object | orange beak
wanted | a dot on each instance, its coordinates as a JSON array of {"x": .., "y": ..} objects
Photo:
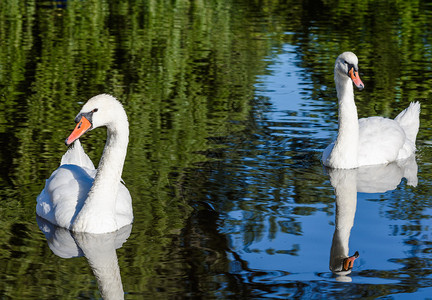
[
  {"x": 356, "y": 79},
  {"x": 349, "y": 262},
  {"x": 82, "y": 127}
]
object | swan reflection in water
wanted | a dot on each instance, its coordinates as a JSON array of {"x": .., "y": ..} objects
[
  {"x": 99, "y": 249},
  {"x": 346, "y": 183}
]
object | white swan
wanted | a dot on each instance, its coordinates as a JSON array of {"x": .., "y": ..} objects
[
  {"x": 77, "y": 196},
  {"x": 367, "y": 141}
]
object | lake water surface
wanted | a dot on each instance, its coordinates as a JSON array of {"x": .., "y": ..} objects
[{"x": 230, "y": 104}]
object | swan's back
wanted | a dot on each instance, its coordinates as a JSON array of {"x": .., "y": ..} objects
[
  {"x": 66, "y": 191},
  {"x": 380, "y": 140},
  {"x": 68, "y": 186},
  {"x": 75, "y": 155},
  {"x": 64, "y": 194},
  {"x": 383, "y": 140}
]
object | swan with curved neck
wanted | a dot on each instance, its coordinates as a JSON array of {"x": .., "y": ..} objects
[
  {"x": 79, "y": 197},
  {"x": 368, "y": 141}
]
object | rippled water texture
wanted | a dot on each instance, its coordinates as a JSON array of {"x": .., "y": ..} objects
[{"x": 230, "y": 104}]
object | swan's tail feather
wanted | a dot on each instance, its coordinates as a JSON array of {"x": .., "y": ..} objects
[
  {"x": 409, "y": 120},
  {"x": 75, "y": 155}
]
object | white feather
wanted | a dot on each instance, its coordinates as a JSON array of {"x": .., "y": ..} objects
[{"x": 75, "y": 155}]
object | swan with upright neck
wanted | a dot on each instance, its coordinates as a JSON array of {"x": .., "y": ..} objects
[
  {"x": 368, "y": 141},
  {"x": 84, "y": 199}
]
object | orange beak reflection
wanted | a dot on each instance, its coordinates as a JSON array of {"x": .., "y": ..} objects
[
  {"x": 82, "y": 127},
  {"x": 356, "y": 78},
  {"x": 349, "y": 262}
]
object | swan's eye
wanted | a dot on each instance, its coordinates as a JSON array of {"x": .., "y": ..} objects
[
  {"x": 351, "y": 66},
  {"x": 94, "y": 110}
]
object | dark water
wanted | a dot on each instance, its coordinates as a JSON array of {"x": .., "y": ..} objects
[{"x": 230, "y": 105}]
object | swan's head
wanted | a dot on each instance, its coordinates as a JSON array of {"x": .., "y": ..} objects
[
  {"x": 347, "y": 65},
  {"x": 101, "y": 110}
]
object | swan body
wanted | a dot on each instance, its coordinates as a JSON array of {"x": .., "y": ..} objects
[
  {"x": 368, "y": 141},
  {"x": 84, "y": 199}
]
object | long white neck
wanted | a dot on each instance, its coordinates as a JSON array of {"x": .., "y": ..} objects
[
  {"x": 108, "y": 176},
  {"x": 98, "y": 212},
  {"x": 345, "y": 185},
  {"x": 345, "y": 150}
]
